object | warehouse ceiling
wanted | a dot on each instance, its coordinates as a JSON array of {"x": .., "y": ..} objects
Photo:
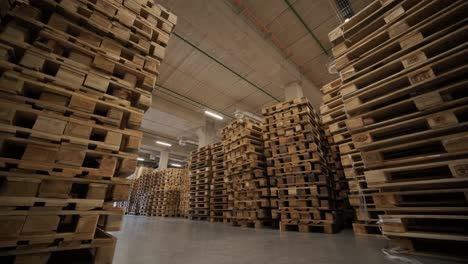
[{"x": 221, "y": 59}]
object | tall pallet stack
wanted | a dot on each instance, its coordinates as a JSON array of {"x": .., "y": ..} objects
[
  {"x": 184, "y": 206},
  {"x": 142, "y": 195},
  {"x": 153, "y": 195},
  {"x": 76, "y": 78},
  {"x": 200, "y": 179},
  {"x": 360, "y": 195},
  {"x": 172, "y": 186},
  {"x": 218, "y": 186},
  {"x": 157, "y": 193},
  {"x": 244, "y": 160},
  {"x": 129, "y": 205},
  {"x": 403, "y": 69},
  {"x": 296, "y": 148},
  {"x": 333, "y": 119},
  {"x": 138, "y": 188},
  {"x": 227, "y": 215}
]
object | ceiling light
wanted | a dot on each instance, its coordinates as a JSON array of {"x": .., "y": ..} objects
[
  {"x": 163, "y": 143},
  {"x": 141, "y": 159},
  {"x": 176, "y": 165},
  {"x": 214, "y": 115},
  {"x": 346, "y": 20}
]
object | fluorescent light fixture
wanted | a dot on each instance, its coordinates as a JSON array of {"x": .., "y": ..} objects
[
  {"x": 176, "y": 165},
  {"x": 346, "y": 20},
  {"x": 214, "y": 115},
  {"x": 163, "y": 143},
  {"x": 140, "y": 159}
]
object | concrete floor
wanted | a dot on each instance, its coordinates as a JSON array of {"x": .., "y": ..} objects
[{"x": 160, "y": 240}]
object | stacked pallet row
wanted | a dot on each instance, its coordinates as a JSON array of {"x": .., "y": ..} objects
[
  {"x": 228, "y": 214},
  {"x": 200, "y": 180},
  {"x": 156, "y": 193},
  {"x": 130, "y": 205},
  {"x": 244, "y": 161},
  {"x": 153, "y": 197},
  {"x": 360, "y": 195},
  {"x": 333, "y": 119},
  {"x": 172, "y": 191},
  {"x": 184, "y": 206},
  {"x": 296, "y": 145},
  {"x": 403, "y": 70},
  {"x": 142, "y": 192},
  {"x": 73, "y": 93},
  {"x": 218, "y": 189}
]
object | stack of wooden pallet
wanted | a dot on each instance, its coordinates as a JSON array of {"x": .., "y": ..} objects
[
  {"x": 333, "y": 119},
  {"x": 76, "y": 78},
  {"x": 218, "y": 190},
  {"x": 200, "y": 180},
  {"x": 403, "y": 70},
  {"x": 153, "y": 194},
  {"x": 244, "y": 161},
  {"x": 227, "y": 215},
  {"x": 172, "y": 186},
  {"x": 141, "y": 195},
  {"x": 156, "y": 193},
  {"x": 360, "y": 196},
  {"x": 184, "y": 206},
  {"x": 296, "y": 146}
]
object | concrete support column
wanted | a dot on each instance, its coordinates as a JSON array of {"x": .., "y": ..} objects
[
  {"x": 293, "y": 90},
  {"x": 163, "y": 159},
  {"x": 207, "y": 134}
]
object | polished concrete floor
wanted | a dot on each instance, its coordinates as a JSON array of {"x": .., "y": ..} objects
[{"x": 160, "y": 240}]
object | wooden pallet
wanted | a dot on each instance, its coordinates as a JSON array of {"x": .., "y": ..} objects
[
  {"x": 57, "y": 127},
  {"x": 401, "y": 132},
  {"x": 284, "y": 107},
  {"x": 428, "y": 150},
  {"x": 432, "y": 29},
  {"x": 200, "y": 180},
  {"x": 416, "y": 103},
  {"x": 100, "y": 249},
  {"x": 159, "y": 193},
  {"x": 49, "y": 186},
  {"x": 257, "y": 224},
  {"x": 320, "y": 226},
  {"x": 415, "y": 232},
  {"x": 298, "y": 162},
  {"x": 428, "y": 73},
  {"x": 76, "y": 79},
  {"x": 245, "y": 179},
  {"x": 429, "y": 54},
  {"x": 440, "y": 197},
  {"x": 78, "y": 66},
  {"x": 427, "y": 174},
  {"x": 351, "y": 34},
  {"x": 57, "y": 98},
  {"x": 417, "y": 244},
  {"x": 414, "y": 21},
  {"x": 367, "y": 229},
  {"x": 432, "y": 125}
]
